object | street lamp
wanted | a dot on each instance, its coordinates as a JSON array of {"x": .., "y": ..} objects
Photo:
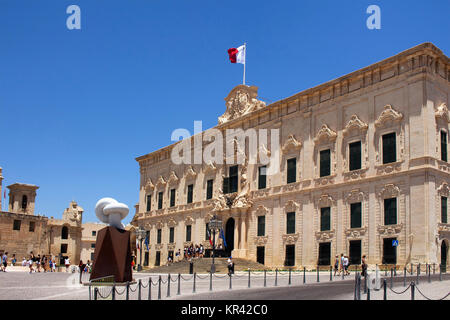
[
  {"x": 140, "y": 234},
  {"x": 214, "y": 224}
]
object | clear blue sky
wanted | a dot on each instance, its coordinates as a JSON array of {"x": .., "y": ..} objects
[{"x": 77, "y": 106}]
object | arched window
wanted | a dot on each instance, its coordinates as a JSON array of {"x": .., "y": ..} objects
[
  {"x": 65, "y": 233},
  {"x": 24, "y": 202}
]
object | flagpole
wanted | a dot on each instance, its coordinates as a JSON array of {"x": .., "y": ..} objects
[{"x": 245, "y": 61}]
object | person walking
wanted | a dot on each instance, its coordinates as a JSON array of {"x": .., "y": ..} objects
[
  {"x": 336, "y": 265},
  {"x": 4, "y": 261},
  {"x": 346, "y": 266},
  {"x": 14, "y": 260},
  {"x": 67, "y": 263},
  {"x": 363, "y": 266},
  {"x": 38, "y": 263},
  {"x": 31, "y": 261},
  {"x": 81, "y": 267}
]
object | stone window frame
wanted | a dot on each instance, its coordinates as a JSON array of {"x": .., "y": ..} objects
[
  {"x": 324, "y": 140},
  {"x": 261, "y": 210},
  {"x": 321, "y": 201},
  {"x": 355, "y": 130},
  {"x": 442, "y": 123},
  {"x": 149, "y": 191},
  {"x": 190, "y": 177},
  {"x": 189, "y": 221},
  {"x": 292, "y": 238},
  {"x": 389, "y": 121},
  {"x": 160, "y": 186},
  {"x": 442, "y": 191},
  {"x": 210, "y": 172},
  {"x": 356, "y": 196},
  {"x": 292, "y": 148}
]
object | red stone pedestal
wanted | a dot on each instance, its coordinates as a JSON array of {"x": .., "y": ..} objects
[{"x": 112, "y": 255}]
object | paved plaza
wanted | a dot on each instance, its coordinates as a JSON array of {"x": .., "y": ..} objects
[{"x": 65, "y": 286}]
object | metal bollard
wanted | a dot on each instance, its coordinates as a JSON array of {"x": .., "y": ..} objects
[
  {"x": 276, "y": 277},
  {"x": 392, "y": 273},
  {"x": 179, "y": 285},
  {"x": 412, "y": 290},
  {"x": 343, "y": 274},
  {"x": 318, "y": 280},
  {"x": 289, "y": 277},
  {"x": 429, "y": 273},
  {"x": 368, "y": 294},
  {"x": 210, "y": 281},
  {"x": 168, "y": 285},
  {"x": 159, "y": 288},
  {"x": 95, "y": 293},
  {"x": 434, "y": 268},
  {"x": 418, "y": 273},
  {"x": 384, "y": 289},
  {"x": 304, "y": 274},
  {"x": 440, "y": 272},
  {"x": 404, "y": 277},
  {"x": 249, "y": 278},
  {"x": 265, "y": 283},
  {"x": 113, "y": 292},
  {"x": 331, "y": 273},
  {"x": 127, "y": 297},
  {"x": 426, "y": 268},
  {"x": 90, "y": 298},
  {"x": 358, "y": 286},
  {"x": 139, "y": 289},
  {"x": 395, "y": 271},
  {"x": 412, "y": 269},
  {"x": 150, "y": 288},
  {"x": 230, "y": 280},
  {"x": 193, "y": 287},
  {"x": 365, "y": 284}
]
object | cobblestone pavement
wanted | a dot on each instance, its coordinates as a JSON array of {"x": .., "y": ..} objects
[{"x": 65, "y": 286}]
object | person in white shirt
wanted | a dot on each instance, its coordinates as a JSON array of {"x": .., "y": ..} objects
[
  {"x": 67, "y": 263},
  {"x": 346, "y": 266}
]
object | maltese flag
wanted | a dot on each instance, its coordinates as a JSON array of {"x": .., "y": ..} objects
[{"x": 237, "y": 55}]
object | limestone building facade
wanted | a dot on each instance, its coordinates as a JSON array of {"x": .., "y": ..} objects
[{"x": 363, "y": 170}]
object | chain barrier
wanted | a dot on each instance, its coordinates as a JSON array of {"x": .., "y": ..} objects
[
  {"x": 134, "y": 289},
  {"x": 206, "y": 277},
  {"x": 402, "y": 291},
  {"x": 187, "y": 279},
  {"x": 154, "y": 284},
  {"x": 104, "y": 297},
  {"x": 174, "y": 279},
  {"x": 121, "y": 293},
  {"x": 220, "y": 276},
  {"x": 448, "y": 294},
  {"x": 142, "y": 285}
]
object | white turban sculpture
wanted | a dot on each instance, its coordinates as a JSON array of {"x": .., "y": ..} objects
[{"x": 109, "y": 210}]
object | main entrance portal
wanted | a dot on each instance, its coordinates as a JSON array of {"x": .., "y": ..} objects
[{"x": 229, "y": 236}]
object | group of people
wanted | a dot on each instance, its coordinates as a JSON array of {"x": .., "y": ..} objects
[
  {"x": 47, "y": 263},
  {"x": 4, "y": 260},
  {"x": 342, "y": 263}
]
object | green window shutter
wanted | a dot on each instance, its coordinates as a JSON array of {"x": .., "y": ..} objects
[
  {"x": 325, "y": 163},
  {"x": 389, "y": 148},
  {"x": 158, "y": 239},
  {"x": 188, "y": 233},
  {"x": 171, "y": 235},
  {"x": 355, "y": 156},
  {"x": 233, "y": 179},
  {"x": 209, "y": 189},
  {"x": 325, "y": 219},
  {"x": 290, "y": 222},
  {"x": 160, "y": 200},
  {"x": 444, "y": 146},
  {"x": 190, "y": 193},
  {"x": 261, "y": 225},
  {"x": 355, "y": 219},
  {"x": 390, "y": 211},
  {"x": 444, "y": 210},
  {"x": 149, "y": 202},
  {"x": 291, "y": 170},
  {"x": 172, "y": 197}
]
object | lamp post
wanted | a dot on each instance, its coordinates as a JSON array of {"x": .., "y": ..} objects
[
  {"x": 140, "y": 234},
  {"x": 214, "y": 224}
]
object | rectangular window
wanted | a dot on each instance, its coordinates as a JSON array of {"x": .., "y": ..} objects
[
  {"x": 92, "y": 256},
  {"x": 325, "y": 160},
  {"x": 32, "y": 226},
  {"x": 92, "y": 245},
  {"x": 390, "y": 211},
  {"x": 160, "y": 200},
  {"x": 158, "y": 238},
  {"x": 149, "y": 202},
  {"x": 209, "y": 189},
  {"x": 389, "y": 148},
  {"x": 94, "y": 233},
  {"x": 389, "y": 251},
  {"x": 355, "y": 215},
  {"x": 355, "y": 252},
  {"x": 262, "y": 177},
  {"x": 64, "y": 248},
  {"x": 290, "y": 222},
  {"x": 16, "y": 225},
  {"x": 233, "y": 179},
  {"x": 325, "y": 219},
  {"x": 190, "y": 193},
  {"x": 188, "y": 233},
  {"x": 290, "y": 256},
  {"x": 444, "y": 146},
  {"x": 355, "y": 156},
  {"x": 444, "y": 210},
  {"x": 261, "y": 226},
  {"x": 172, "y": 197},
  {"x": 171, "y": 235},
  {"x": 291, "y": 170},
  {"x": 146, "y": 258},
  {"x": 324, "y": 254},
  {"x": 260, "y": 255},
  {"x": 158, "y": 258}
]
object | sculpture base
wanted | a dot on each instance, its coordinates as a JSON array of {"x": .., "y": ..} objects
[{"x": 112, "y": 255}]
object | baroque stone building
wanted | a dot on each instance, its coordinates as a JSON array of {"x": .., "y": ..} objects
[
  {"x": 363, "y": 170},
  {"x": 21, "y": 231}
]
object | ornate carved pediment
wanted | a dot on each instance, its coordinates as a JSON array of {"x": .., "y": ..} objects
[
  {"x": 325, "y": 134},
  {"x": 149, "y": 185},
  {"x": 355, "y": 124},
  {"x": 261, "y": 211},
  {"x": 170, "y": 246},
  {"x": 355, "y": 232},
  {"x": 389, "y": 191},
  {"x": 325, "y": 200},
  {"x": 208, "y": 217},
  {"x": 354, "y": 196},
  {"x": 290, "y": 238},
  {"x": 443, "y": 227},
  {"x": 171, "y": 223},
  {"x": 158, "y": 246},
  {"x": 159, "y": 225},
  {"x": 387, "y": 115},
  {"x": 173, "y": 179},
  {"x": 209, "y": 167},
  {"x": 190, "y": 173},
  {"x": 291, "y": 206},
  {"x": 261, "y": 240},
  {"x": 324, "y": 235},
  {"x": 161, "y": 182},
  {"x": 390, "y": 229},
  {"x": 442, "y": 112},
  {"x": 189, "y": 220},
  {"x": 241, "y": 101},
  {"x": 444, "y": 189},
  {"x": 291, "y": 144}
]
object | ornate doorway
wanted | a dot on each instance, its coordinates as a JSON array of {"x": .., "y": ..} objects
[{"x": 229, "y": 235}]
